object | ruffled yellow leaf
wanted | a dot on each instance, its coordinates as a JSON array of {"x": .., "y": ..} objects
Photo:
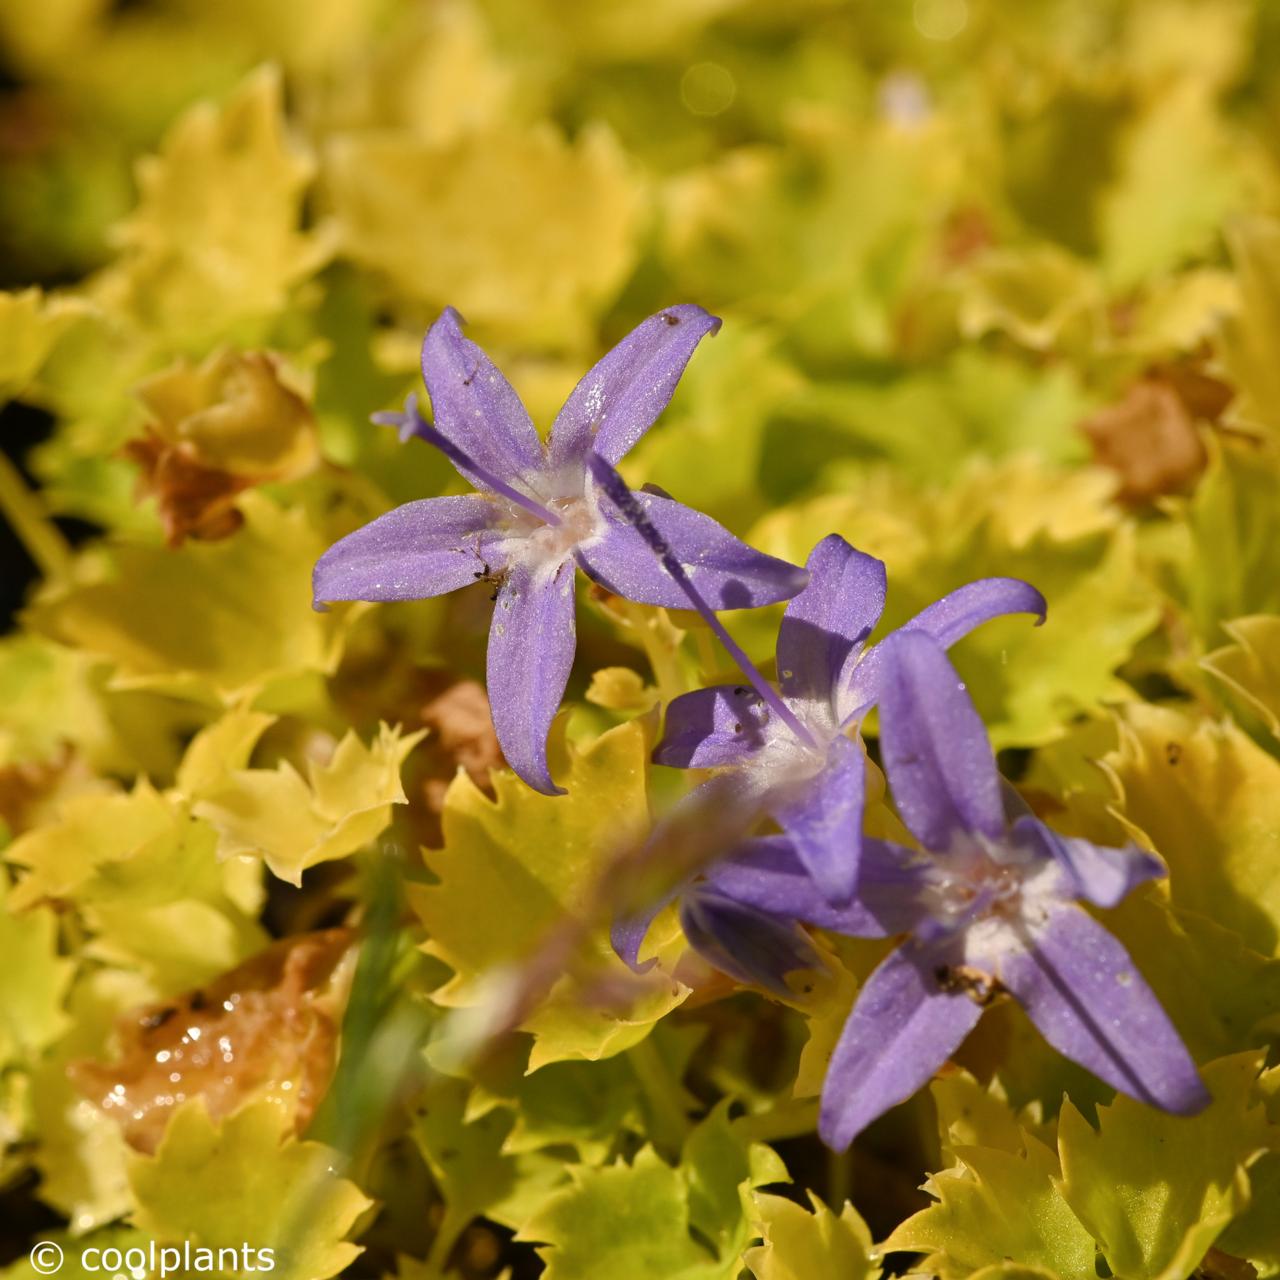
[
  {"x": 1156, "y": 1190},
  {"x": 1222, "y": 995},
  {"x": 970, "y": 1115},
  {"x": 621, "y": 689},
  {"x": 294, "y": 823},
  {"x": 514, "y": 868},
  {"x": 439, "y": 77},
  {"x": 1234, "y": 520},
  {"x": 997, "y": 1207},
  {"x": 33, "y": 981},
  {"x": 519, "y": 229},
  {"x": 87, "y": 854},
  {"x": 829, "y": 230},
  {"x": 30, "y": 325},
  {"x": 1042, "y": 297},
  {"x": 223, "y": 747},
  {"x": 235, "y": 411},
  {"x": 216, "y": 621},
  {"x": 633, "y": 1221},
  {"x": 797, "y": 1245},
  {"x": 215, "y": 244},
  {"x": 249, "y": 1181},
  {"x": 1251, "y": 666},
  {"x": 145, "y": 875},
  {"x": 1249, "y": 338},
  {"x": 1207, "y": 798},
  {"x": 54, "y": 697},
  {"x": 1179, "y": 178}
]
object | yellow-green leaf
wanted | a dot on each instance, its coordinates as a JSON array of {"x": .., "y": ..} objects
[
  {"x": 215, "y": 244},
  {"x": 438, "y": 221},
  {"x": 30, "y": 324},
  {"x": 214, "y": 621},
  {"x": 1207, "y": 798},
  {"x": 797, "y": 1245},
  {"x": 1251, "y": 665},
  {"x": 515, "y": 867},
  {"x": 995, "y": 1207},
  {"x": 1250, "y": 337},
  {"x": 33, "y": 981},
  {"x": 249, "y": 1181},
  {"x": 294, "y": 823},
  {"x": 632, "y": 1222},
  {"x": 1155, "y": 1189}
]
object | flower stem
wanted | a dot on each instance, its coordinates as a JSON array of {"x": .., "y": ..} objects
[
  {"x": 662, "y": 1092},
  {"x": 412, "y": 423},
  {"x": 31, "y": 523},
  {"x": 660, "y": 639},
  {"x": 791, "y": 1119},
  {"x": 622, "y": 498}
]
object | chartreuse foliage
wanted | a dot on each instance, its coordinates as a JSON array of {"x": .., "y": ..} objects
[
  {"x": 648, "y": 1218},
  {"x": 1125, "y": 1190},
  {"x": 1154, "y": 1204},
  {"x": 514, "y": 867},
  {"x": 1000, "y": 286},
  {"x": 282, "y": 1194},
  {"x": 796, "y": 1243}
]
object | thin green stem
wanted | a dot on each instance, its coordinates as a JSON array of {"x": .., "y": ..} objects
[
  {"x": 792, "y": 1119},
  {"x": 706, "y": 653},
  {"x": 662, "y": 1091},
  {"x": 839, "y": 1178},
  {"x": 659, "y": 639},
  {"x": 29, "y": 520}
]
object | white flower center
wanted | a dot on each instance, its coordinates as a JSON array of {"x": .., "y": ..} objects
[
  {"x": 993, "y": 891},
  {"x": 785, "y": 760},
  {"x": 541, "y": 547}
]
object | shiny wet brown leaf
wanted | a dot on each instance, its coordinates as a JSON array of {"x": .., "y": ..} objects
[{"x": 269, "y": 1025}]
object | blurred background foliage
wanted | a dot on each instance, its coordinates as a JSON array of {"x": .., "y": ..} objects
[{"x": 1001, "y": 290}]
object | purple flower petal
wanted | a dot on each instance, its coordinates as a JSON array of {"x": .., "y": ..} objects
[
  {"x": 946, "y": 621},
  {"x": 824, "y": 820},
  {"x": 767, "y": 874},
  {"x": 902, "y": 1029},
  {"x": 825, "y": 626},
  {"x": 475, "y": 406},
  {"x": 724, "y": 725},
  {"x": 623, "y": 394},
  {"x": 531, "y": 644},
  {"x": 421, "y": 549},
  {"x": 1098, "y": 874},
  {"x": 744, "y": 943},
  {"x": 960, "y": 611},
  {"x": 1082, "y": 991},
  {"x": 627, "y": 934},
  {"x": 728, "y": 573},
  {"x": 934, "y": 746}
]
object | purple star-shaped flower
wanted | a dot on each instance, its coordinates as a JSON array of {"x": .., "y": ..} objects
[
  {"x": 991, "y": 906},
  {"x": 791, "y": 756},
  {"x": 537, "y": 513}
]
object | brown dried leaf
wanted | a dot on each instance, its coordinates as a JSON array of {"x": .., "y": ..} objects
[
  {"x": 462, "y": 737},
  {"x": 214, "y": 430},
  {"x": 268, "y": 1025},
  {"x": 1149, "y": 438},
  {"x": 28, "y": 787}
]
